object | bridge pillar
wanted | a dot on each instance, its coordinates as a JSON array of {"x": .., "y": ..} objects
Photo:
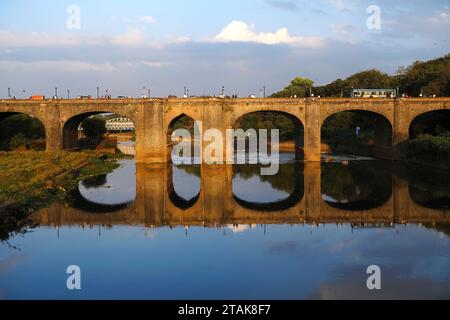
[
  {"x": 213, "y": 119},
  {"x": 312, "y": 131},
  {"x": 53, "y": 128},
  {"x": 150, "y": 134},
  {"x": 400, "y": 128},
  {"x": 151, "y": 190},
  {"x": 313, "y": 191}
]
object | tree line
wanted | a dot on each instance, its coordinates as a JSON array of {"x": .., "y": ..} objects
[{"x": 430, "y": 78}]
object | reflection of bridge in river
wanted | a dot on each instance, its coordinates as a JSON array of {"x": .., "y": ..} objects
[{"x": 157, "y": 204}]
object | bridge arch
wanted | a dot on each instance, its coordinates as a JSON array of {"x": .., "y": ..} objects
[
  {"x": 431, "y": 122},
  {"x": 36, "y": 131},
  {"x": 181, "y": 121},
  {"x": 71, "y": 124},
  {"x": 375, "y": 123},
  {"x": 295, "y": 133}
]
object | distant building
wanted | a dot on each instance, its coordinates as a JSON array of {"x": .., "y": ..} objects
[
  {"x": 116, "y": 125},
  {"x": 119, "y": 125},
  {"x": 374, "y": 93}
]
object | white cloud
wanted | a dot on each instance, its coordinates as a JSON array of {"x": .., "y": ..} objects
[
  {"x": 156, "y": 64},
  {"x": 342, "y": 6},
  {"x": 73, "y": 66},
  {"x": 148, "y": 19},
  {"x": 239, "y": 31},
  {"x": 8, "y": 39},
  {"x": 134, "y": 36},
  {"x": 343, "y": 28}
]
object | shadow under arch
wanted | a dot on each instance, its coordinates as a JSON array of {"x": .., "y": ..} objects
[
  {"x": 342, "y": 133},
  {"x": 428, "y": 187},
  {"x": 432, "y": 122},
  {"x": 32, "y": 134},
  {"x": 360, "y": 186},
  {"x": 293, "y": 129},
  {"x": 78, "y": 201},
  {"x": 177, "y": 200},
  {"x": 292, "y": 200},
  {"x": 70, "y": 127}
]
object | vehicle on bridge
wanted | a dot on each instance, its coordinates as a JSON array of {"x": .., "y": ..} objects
[
  {"x": 374, "y": 93},
  {"x": 37, "y": 97},
  {"x": 84, "y": 97}
]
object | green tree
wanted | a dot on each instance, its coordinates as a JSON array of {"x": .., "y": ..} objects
[
  {"x": 298, "y": 87},
  {"x": 94, "y": 127},
  {"x": 369, "y": 79}
]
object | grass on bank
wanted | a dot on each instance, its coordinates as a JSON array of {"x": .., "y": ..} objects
[{"x": 33, "y": 179}]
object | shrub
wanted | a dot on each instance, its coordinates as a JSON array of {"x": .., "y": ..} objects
[
  {"x": 19, "y": 140},
  {"x": 430, "y": 148}
]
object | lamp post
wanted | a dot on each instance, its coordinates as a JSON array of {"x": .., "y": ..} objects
[
  {"x": 148, "y": 92},
  {"x": 9, "y": 93},
  {"x": 264, "y": 91},
  {"x": 68, "y": 94},
  {"x": 56, "y": 92},
  {"x": 98, "y": 92}
]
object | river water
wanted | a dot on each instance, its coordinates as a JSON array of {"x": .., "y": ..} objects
[{"x": 192, "y": 232}]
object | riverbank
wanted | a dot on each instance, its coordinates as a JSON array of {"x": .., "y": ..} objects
[
  {"x": 31, "y": 180},
  {"x": 429, "y": 150}
]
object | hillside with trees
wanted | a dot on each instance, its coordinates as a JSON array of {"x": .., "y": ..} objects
[{"x": 429, "y": 78}]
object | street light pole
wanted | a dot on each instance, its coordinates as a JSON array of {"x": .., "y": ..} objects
[
  {"x": 9, "y": 93},
  {"x": 56, "y": 92},
  {"x": 264, "y": 90},
  {"x": 148, "y": 92},
  {"x": 98, "y": 92},
  {"x": 68, "y": 94}
]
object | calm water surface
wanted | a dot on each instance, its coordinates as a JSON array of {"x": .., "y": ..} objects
[{"x": 191, "y": 232}]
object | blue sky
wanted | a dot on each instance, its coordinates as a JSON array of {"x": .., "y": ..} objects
[{"x": 126, "y": 45}]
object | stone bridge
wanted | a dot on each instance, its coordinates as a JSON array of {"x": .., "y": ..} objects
[
  {"x": 153, "y": 118},
  {"x": 156, "y": 205}
]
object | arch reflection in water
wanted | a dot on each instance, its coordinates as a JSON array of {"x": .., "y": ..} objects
[
  {"x": 428, "y": 187},
  {"x": 216, "y": 205},
  {"x": 268, "y": 193},
  {"x": 106, "y": 193},
  {"x": 359, "y": 186},
  {"x": 184, "y": 185}
]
